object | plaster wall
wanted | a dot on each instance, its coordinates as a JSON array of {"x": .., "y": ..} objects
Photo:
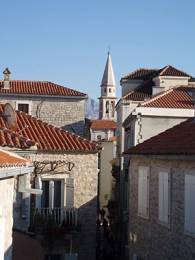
[{"x": 6, "y": 214}]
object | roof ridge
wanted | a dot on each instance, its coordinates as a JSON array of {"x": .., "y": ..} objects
[
  {"x": 170, "y": 66},
  {"x": 159, "y": 95},
  {"x": 140, "y": 68},
  {"x": 127, "y": 94},
  {"x": 163, "y": 69}
]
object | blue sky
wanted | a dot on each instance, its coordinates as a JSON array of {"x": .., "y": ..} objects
[{"x": 67, "y": 41}]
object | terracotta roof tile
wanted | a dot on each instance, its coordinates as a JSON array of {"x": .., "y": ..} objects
[
  {"x": 45, "y": 136},
  {"x": 178, "y": 140},
  {"x": 141, "y": 93},
  {"x": 38, "y": 88},
  {"x": 12, "y": 139},
  {"x": 148, "y": 74},
  {"x": 8, "y": 159},
  {"x": 102, "y": 124},
  {"x": 141, "y": 74},
  {"x": 178, "y": 97},
  {"x": 171, "y": 71}
]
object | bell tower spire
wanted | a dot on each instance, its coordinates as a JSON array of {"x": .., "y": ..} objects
[{"x": 108, "y": 92}]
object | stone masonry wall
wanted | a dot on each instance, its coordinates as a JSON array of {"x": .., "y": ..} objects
[
  {"x": 6, "y": 205},
  {"x": 67, "y": 113},
  {"x": 85, "y": 174},
  {"x": 153, "y": 240}
]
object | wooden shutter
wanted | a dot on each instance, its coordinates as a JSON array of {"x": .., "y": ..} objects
[
  {"x": 38, "y": 185},
  {"x": 189, "y": 203},
  {"x": 143, "y": 191},
  {"x": 2, "y": 224},
  {"x": 69, "y": 192},
  {"x": 164, "y": 197}
]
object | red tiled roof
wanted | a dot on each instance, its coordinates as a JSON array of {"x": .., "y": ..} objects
[
  {"x": 178, "y": 140},
  {"x": 8, "y": 159},
  {"x": 144, "y": 91},
  {"x": 148, "y": 74},
  {"x": 38, "y": 88},
  {"x": 141, "y": 93},
  {"x": 178, "y": 97},
  {"x": 141, "y": 74},
  {"x": 102, "y": 124},
  {"x": 48, "y": 137},
  {"x": 12, "y": 139},
  {"x": 171, "y": 71}
]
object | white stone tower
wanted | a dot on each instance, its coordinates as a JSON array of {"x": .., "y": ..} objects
[{"x": 108, "y": 92}]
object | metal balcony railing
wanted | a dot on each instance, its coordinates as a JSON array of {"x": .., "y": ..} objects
[{"x": 58, "y": 216}]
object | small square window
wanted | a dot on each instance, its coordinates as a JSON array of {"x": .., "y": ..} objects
[{"x": 23, "y": 108}]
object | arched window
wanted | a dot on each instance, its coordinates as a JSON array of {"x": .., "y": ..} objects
[
  {"x": 107, "y": 107},
  {"x": 112, "y": 108}
]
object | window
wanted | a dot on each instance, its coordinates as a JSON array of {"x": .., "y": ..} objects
[
  {"x": 110, "y": 90},
  {"x": 51, "y": 197},
  {"x": 164, "y": 197},
  {"x": 143, "y": 191},
  {"x": 24, "y": 106},
  {"x": 99, "y": 137},
  {"x": 189, "y": 204}
]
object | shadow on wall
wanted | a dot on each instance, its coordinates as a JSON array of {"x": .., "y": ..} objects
[
  {"x": 8, "y": 254},
  {"x": 87, "y": 237},
  {"x": 76, "y": 128},
  {"x": 26, "y": 248}
]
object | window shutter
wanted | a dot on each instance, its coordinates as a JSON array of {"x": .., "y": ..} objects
[
  {"x": 2, "y": 224},
  {"x": 164, "y": 197},
  {"x": 70, "y": 192},
  {"x": 143, "y": 191},
  {"x": 38, "y": 185},
  {"x": 189, "y": 205}
]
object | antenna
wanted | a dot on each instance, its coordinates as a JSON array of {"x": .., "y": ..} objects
[{"x": 10, "y": 116}]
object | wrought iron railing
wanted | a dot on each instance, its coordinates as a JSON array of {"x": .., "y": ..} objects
[{"x": 58, "y": 217}]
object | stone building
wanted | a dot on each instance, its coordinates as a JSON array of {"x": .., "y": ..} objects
[
  {"x": 66, "y": 169},
  {"x": 12, "y": 168},
  {"x": 162, "y": 190},
  {"x": 50, "y": 102},
  {"x": 136, "y": 122}
]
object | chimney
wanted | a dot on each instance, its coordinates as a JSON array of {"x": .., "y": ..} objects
[{"x": 6, "y": 80}]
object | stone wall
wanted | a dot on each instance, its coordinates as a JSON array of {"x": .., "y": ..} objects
[
  {"x": 68, "y": 113},
  {"x": 152, "y": 240},
  {"x": 85, "y": 174},
  {"x": 6, "y": 207}
]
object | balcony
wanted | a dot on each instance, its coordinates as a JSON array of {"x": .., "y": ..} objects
[{"x": 59, "y": 220}]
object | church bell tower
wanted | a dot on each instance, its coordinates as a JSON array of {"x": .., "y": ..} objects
[{"x": 108, "y": 92}]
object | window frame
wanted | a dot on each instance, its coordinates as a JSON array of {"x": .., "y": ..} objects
[{"x": 25, "y": 102}]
